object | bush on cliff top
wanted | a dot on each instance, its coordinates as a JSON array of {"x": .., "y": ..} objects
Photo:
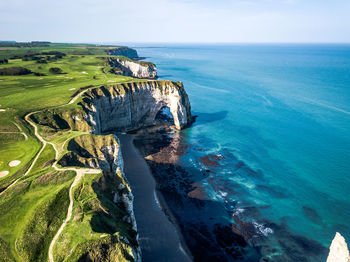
[
  {"x": 14, "y": 71},
  {"x": 56, "y": 70}
]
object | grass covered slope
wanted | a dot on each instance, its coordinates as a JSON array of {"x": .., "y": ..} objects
[{"x": 35, "y": 191}]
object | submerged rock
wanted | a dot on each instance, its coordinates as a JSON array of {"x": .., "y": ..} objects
[{"x": 338, "y": 251}]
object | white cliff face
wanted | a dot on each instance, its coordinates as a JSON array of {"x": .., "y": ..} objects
[
  {"x": 135, "y": 69},
  {"x": 338, "y": 251},
  {"x": 108, "y": 158},
  {"x": 124, "y": 51},
  {"x": 130, "y": 106}
]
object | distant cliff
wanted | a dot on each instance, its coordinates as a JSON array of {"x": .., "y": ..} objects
[
  {"x": 132, "y": 68},
  {"x": 123, "y": 51}
]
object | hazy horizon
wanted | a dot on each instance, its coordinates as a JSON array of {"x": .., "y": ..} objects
[{"x": 176, "y": 21}]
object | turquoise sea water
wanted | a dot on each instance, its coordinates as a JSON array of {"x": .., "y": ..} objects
[{"x": 280, "y": 116}]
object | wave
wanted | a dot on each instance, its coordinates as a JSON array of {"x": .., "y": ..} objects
[
  {"x": 260, "y": 228},
  {"x": 313, "y": 102},
  {"x": 212, "y": 88}
]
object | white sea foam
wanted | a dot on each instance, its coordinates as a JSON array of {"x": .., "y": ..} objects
[
  {"x": 310, "y": 101},
  {"x": 238, "y": 211},
  {"x": 156, "y": 199},
  {"x": 265, "y": 231},
  {"x": 213, "y": 88},
  {"x": 221, "y": 193},
  {"x": 267, "y": 101}
]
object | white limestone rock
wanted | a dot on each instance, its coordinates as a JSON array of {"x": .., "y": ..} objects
[
  {"x": 130, "y": 106},
  {"x": 134, "y": 68},
  {"x": 338, "y": 251}
]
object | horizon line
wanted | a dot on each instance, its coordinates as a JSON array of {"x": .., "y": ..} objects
[{"x": 168, "y": 42}]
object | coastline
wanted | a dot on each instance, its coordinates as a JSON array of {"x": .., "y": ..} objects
[
  {"x": 207, "y": 235},
  {"x": 159, "y": 238}
]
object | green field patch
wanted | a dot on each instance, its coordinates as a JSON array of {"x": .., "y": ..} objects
[
  {"x": 15, "y": 147},
  {"x": 33, "y": 208},
  {"x": 96, "y": 220},
  {"x": 32, "y": 211}
]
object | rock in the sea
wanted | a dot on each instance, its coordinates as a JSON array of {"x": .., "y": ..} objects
[{"x": 338, "y": 251}]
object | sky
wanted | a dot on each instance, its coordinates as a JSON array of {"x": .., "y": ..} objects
[{"x": 176, "y": 21}]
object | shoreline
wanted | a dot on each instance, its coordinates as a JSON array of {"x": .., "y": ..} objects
[
  {"x": 159, "y": 238},
  {"x": 169, "y": 214}
]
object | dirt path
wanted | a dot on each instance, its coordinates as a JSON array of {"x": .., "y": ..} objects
[
  {"x": 15, "y": 132},
  {"x": 43, "y": 142},
  {"x": 79, "y": 171}
]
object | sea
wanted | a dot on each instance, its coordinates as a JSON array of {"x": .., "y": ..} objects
[{"x": 263, "y": 174}]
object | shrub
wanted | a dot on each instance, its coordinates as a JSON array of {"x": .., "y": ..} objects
[
  {"x": 14, "y": 71},
  {"x": 55, "y": 70},
  {"x": 38, "y": 74}
]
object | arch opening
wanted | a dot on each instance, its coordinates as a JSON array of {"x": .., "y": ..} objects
[{"x": 164, "y": 116}]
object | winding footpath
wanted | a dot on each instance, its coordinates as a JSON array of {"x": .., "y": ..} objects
[
  {"x": 79, "y": 171},
  {"x": 43, "y": 141}
]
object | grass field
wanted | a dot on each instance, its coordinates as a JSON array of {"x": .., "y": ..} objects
[{"x": 34, "y": 206}]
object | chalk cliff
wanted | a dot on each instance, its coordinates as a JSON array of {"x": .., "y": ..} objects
[
  {"x": 338, "y": 251},
  {"x": 103, "y": 152},
  {"x": 123, "y": 51},
  {"x": 135, "y": 69},
  {"x": 129, "y": 106}
]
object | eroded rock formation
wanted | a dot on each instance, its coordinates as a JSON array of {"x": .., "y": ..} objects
[
  {"x": 103, "y": 152},
  {"x": 124, "y": 51},
  {"x": 134, "y": 69},
  {"x": 129, "y": 106},
  {"x": 338, "y": 251}
]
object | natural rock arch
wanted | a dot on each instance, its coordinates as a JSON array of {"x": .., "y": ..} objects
[
  {"x": 164, "y": 115},
  {"x": 130, "y": 106}
]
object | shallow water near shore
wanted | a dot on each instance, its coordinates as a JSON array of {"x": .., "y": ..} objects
[{"x": 269, "y": 155}]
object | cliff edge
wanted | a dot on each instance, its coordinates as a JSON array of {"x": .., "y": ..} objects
[
  {"x": 126, "y": 107},
  {"x": 123, "y": 51}
]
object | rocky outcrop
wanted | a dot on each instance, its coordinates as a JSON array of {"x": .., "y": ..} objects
[
  {"x": 129, "y": 106},
  {"x": 92, "y": 151},
  {"x": 338, "y": 251},
  {"x": 123, "y": 51},
  {"x": 134, "y": 69}
]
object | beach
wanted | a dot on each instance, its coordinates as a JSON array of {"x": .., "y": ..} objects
[{"x": 158, "y": 237}]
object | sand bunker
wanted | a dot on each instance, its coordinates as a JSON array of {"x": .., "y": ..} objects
[
  {"x": 14, "y": 163},
  {"x": 2, "y": 110},
  {"x": 3, "y": 173}
]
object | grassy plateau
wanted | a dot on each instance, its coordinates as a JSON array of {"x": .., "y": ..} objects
[{"x": 34, "y": 191}]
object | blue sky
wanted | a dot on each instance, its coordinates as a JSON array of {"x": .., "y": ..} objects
[{"x": 176, "y": 20}]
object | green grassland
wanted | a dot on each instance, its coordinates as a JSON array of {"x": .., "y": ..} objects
[{"x": 34, "y": 207}]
